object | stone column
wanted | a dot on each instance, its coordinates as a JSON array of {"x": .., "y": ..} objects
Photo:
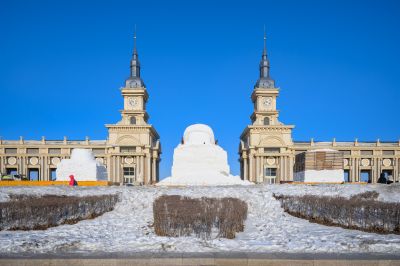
[
  {"x": 154, "y": 175},
  {"x": 148, "y": 168},
  {"x": 245, "y": 175},
  {"x": 250, "y": 166},
  {"x": 136, "y": 168},
  {"x": 142, "y": 173}
]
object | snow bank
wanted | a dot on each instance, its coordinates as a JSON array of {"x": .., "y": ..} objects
[
  {"x": 82, "y": 165},
  {"x": 128, "y": 228},
  {"x": 199, "y": 161}
]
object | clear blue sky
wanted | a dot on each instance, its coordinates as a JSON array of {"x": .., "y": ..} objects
[{"x": 337, "y": 64}]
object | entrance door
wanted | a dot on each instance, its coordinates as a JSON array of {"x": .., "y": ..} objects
[
  {"x": 12, "y": 171},
  {"x": 52, "y": 174},
  {"x": 388, "y": 174},
  {"x": 33, "y": 174},
  {"x": 270, "y": 175},
  {"x": 129, "y": 175},
  {"x": 346, "y": 175},
  {"x": 365, "y": 176}
]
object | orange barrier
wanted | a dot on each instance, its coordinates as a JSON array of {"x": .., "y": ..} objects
[{"x": 54, "y": 183}]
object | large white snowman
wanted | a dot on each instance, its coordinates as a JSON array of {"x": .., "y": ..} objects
[{"x": 198, "y": 160}]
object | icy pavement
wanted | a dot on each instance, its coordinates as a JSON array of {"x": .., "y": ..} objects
[{"x": 267, "y": 229}]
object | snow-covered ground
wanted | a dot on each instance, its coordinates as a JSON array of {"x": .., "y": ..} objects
[{"x": 128, "y": 228}]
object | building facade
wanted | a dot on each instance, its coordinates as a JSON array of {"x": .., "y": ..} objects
[
  {"x": 267, "y": 151},
  {"x": 131, "y": 152}
]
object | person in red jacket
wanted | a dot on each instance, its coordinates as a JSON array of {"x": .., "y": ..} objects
[{"x": 72, "y": 181}]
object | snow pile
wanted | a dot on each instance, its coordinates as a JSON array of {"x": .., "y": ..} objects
[
  {"x": 129, "y": 227},
  {"x": 82, "y": 165},
  {"x": 199, "y": 161},
  {"x": 329, "y": 175}
]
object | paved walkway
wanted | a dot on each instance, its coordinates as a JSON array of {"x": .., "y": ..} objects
[{"x": 205, "y": 259}]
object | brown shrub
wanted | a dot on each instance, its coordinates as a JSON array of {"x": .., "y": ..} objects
[
  {"x": 361, "y": 212},
  {"x": 24, "y": 212},
  {"x": 182, "y": 216}
]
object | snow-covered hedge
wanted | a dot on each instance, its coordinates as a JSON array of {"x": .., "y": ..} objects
[
  {"x": 182, "y": 216},
  {"x": 33, "y": 212},
  {"x": 361, "y": 211}
]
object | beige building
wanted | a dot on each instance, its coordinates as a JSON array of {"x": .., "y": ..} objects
[
  {"x": 267, "y": 150},
  {"x": 131, "y": 152}
]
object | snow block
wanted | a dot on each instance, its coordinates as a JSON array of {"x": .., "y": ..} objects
[
  {"x": 198, "y": 160},
  {"x": 83, "y": 166}
]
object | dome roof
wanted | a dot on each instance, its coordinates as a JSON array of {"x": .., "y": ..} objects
[{"x": 198, "y": 134}]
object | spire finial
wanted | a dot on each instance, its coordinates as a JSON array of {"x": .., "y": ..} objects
[
  {"x": 134, "y": 40},
  {"x": 265, "y": 42}
]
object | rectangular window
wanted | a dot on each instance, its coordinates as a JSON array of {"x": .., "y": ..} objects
[
  {"x": 388, "y": 152},
  {"x": 270, "y": 172},
  {"x": 346, "y": 152},
  {"x": 272, "y": 150},
  {"x": 97, "y": 151},
  {"x": 366, "y": 152},
  {"x": 33, "y": 174},
  {"x": 128, "y": 149},
  {"x": 32, "y": 151},
  {"x": 129, "y": 175},
  {"x": 52, "y": 174},
  {"x": 11, "y": 171},
  {"x": 54, "y": 151},
  {"x": 11, "y": 150},
  {"x": 346, "y": 175},
  {"x": 365, "y": 176}
]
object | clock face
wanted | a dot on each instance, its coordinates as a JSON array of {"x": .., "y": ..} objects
[
  {"x": 267, "y": 102},
  {"x": 132, "y": 102}
]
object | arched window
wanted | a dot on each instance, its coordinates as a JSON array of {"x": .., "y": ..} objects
[
  {"x": 266, "y": 121},
  {"x": 133, "y": 120}
]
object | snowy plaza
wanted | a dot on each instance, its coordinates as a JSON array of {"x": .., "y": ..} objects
[{"x": 128, "y": 228}]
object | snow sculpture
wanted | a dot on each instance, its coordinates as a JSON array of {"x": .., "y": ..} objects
[
  {"x": 321, "y": 166},
  {"x": 83, "y": 166},
  {"x": 198, "y": 160}
]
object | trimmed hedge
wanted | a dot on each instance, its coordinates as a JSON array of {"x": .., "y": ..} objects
[
  {"x": 177, "y": 216},
  {"x": 38, "y": 213},
  {"x": 362, "y": 211}
]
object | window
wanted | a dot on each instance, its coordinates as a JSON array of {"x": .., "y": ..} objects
[
  {"x": 266, "y": 121},
  {"x": 388, "y": 152},
  {"x": 128, "y": 149},
  {"x": 366, "y": 152},
  {"x": 52, "y": 174},
  {"x": 34, "y": 174},
  {"x": 32, "y": 151},
  {"x": 133, "y": 120},
  {"x": 346, "y": 175},
  {"x": 365, "y": 176},
  {"x": 11, "y": 171},
  {"x": 54, "y": 150},
  {"x": 98, "y": 151},
  {"x": 272, "y": 150},
  {"x": 11, "y": 150},
  {"x": 270, "y": 172},
  {"x": 129, "y": 175},
  {"x": 346, "y": 152}
]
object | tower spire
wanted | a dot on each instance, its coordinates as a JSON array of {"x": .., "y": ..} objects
[
  {"x": 265, "y": 42},
  {"x": 134, "y": 41},
  {"x": 264, "y": 80},
  {"x": 134, "y": 81}
]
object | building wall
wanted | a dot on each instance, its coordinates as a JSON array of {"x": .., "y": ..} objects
[
  {"x": 131, "y": 142},
  {"x": 267, "y": 151},
  {"x": 144, "y": 160}
]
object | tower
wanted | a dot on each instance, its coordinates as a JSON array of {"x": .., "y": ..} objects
[
  {"x": 265, "y": 145},
  {"x": 133, "y": 143}
]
